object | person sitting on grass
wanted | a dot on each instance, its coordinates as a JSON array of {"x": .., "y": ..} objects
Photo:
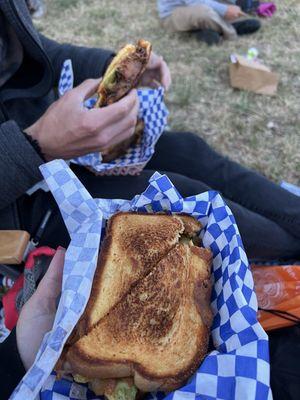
[{"x": 209, "y": 20}]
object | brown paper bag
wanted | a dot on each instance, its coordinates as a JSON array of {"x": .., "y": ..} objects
[
  {"x": 253, "y": 76},
  {"x": 12, "y": 246}
]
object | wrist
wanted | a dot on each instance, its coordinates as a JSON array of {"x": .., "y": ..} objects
[
  {"x": 33, "y": 131},
  {"x": 32, "y": 135},
  {"x": 228, "y": 12}
]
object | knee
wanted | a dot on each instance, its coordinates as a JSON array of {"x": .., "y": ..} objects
[
  {"x": 168, "y": 25},
  {"x": 187, "y": 142},
  {"x": 204, "y": 12},
  {"x": 190, "y": 137},
  {"x": 204, "y": 8}
]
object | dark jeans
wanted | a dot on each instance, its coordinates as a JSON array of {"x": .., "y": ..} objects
[{"x": 268, "y": 217}]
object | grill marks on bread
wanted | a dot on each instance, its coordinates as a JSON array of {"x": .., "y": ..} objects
[
  {"x": 151, "y": 244},
  {"x": 133, "y": 245},
  {"x": 151, "y": 296}
]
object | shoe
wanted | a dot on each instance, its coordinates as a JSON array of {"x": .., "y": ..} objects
[
  {"x": 247, "y": 26},
  {"x": 248, "y": 5},
  {"x": 208, "y": 36}
]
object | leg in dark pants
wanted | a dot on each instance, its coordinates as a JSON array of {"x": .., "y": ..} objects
[
  {"x": 189, "y": 155},
  {"x": 262, "y": 237}
]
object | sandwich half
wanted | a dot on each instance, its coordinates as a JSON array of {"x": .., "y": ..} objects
[
  {"x": 123, "y": 73},
  {"x": 146, "y": 326},
  {"x": 121, "y": 76}
]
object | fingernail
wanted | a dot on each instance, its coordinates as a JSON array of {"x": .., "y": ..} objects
[{"x": 61, "y": 248}]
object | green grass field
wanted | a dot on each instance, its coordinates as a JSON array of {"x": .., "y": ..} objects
[{"x": 258, "y": 131}]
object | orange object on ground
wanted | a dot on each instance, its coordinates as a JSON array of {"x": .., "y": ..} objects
[{"x": 278, "y": 291}]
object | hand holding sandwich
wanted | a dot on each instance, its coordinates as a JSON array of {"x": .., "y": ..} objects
[
  {"x": 68, "y": 130},
  {"x": 157, "y": 73}
]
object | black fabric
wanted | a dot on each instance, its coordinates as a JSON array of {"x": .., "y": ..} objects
[
  {"x": 11, "y": 51},
  {"x": 194, "y": 168},
  {"x": 285, "y": 364},
  {"x": 31, "y": 89},
  {"x": 37, "y": 66},
  {"x": 194, "y": 158},
  {"x": 11, "y": 366},
  {"x": 247, "y": 26},
  {"x": 208, "y": 36},
  {"x": 248, "y": 5},
  {"x": 87, "y": 62},
  {"x": 19, "y": 164}
]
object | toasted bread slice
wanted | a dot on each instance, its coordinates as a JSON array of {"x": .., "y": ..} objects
[
  {"x": 158, "y": 333},
  {"x": 133, "y": 245},
  {"x": 121, "y": 76}
]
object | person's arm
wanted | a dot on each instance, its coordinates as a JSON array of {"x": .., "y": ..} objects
[
  {"x": 67, "y": 130},
  {"x": 11, "y": 367},
  {"x": 87, "y": 62},
  {"x": 19, "y": 163}
]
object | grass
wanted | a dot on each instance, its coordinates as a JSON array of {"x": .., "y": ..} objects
[{"x": 258, "y": 131}]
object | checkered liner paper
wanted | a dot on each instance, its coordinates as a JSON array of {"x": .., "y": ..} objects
[
  {"x": 154, "y": 114},
  {"x": 238, "y": 368}
]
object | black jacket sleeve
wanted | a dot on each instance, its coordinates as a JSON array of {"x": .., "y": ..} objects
[
  {"x": 19, "y": 163},
  {"x": 11, "y": 366},
  {"x": 87, "y": 62}
]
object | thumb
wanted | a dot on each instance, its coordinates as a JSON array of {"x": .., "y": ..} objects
[
  {"x": 87, "y": 88},
  {"x": 155, "y": 61},
  {"x": 50, "y": 285}
]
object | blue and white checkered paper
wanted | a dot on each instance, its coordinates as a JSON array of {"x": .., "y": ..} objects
[
  {"x": 154, "y": 114},
  {"x": 237, "y": 369}
]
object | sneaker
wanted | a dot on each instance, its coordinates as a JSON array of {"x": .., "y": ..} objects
[
  {"x": 248, "y": 6},
  {"x": 208, "y": 36},
  {"x": 247, "y": 26}
]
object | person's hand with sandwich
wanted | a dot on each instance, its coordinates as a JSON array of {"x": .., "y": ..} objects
[{"x": 69, "y": 130}]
